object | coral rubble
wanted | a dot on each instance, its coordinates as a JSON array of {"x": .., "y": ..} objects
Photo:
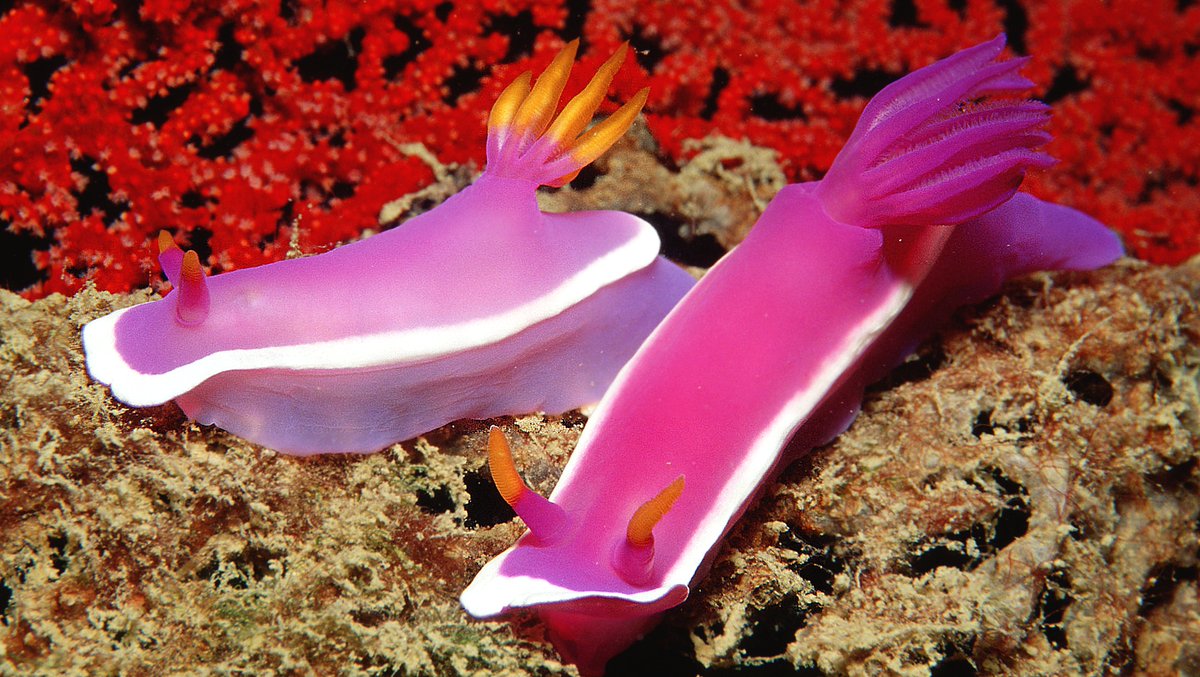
[{"x": 1021, "y": 497}]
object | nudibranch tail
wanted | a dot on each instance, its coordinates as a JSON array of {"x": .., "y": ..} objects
[
  {"x": 191, "y": 308},
  {"x": 526, "y": 140},
  {"x": 939, "y": 146},
  {"x": 543, "y": 518},
  {"x": 170, "y": 257},
  {"x": 634, "y": 557}
]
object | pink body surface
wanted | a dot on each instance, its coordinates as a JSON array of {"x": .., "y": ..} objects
[
  {"x": 482, "y": 307},
  {"x": 778, "y": 341}
]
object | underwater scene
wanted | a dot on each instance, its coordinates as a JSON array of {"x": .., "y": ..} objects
[{"x": 545, "y": 337}]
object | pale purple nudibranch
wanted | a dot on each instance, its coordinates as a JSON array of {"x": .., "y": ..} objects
[
  {"x": 482, "y": 307},
  {"x": 836, "y": 284}
]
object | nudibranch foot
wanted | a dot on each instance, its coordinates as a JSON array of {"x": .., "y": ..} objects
[
  {"x": 482, "y": 307},
  {"x": 835, "y": 284},
  {"x": 623, "y": 627}
]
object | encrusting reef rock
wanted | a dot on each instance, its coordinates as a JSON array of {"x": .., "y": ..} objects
[{"x": 1021, "y": 497}]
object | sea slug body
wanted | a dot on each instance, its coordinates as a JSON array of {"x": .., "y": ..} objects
[
  {"x": 482, "y": 307},
  {"x": 836, "y": 284}
]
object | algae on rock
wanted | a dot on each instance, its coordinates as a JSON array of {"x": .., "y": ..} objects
[{"x": 1021, "y": 497}]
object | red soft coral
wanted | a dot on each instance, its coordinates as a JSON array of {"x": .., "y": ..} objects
[
  {"x": 234, "y": 123},
  {"x": 231, "y": 124}
]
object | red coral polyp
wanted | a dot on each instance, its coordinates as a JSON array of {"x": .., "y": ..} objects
[{"x": 234, "y": 123}]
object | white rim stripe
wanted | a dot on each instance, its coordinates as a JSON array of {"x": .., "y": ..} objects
[{"x": 388, "y": 348}]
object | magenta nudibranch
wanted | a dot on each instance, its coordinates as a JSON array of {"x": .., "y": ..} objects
[
  {"x": 482, "y": 307},
  {"x": 835, "y": 285}
]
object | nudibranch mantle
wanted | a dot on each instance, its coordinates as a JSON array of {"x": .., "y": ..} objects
[
  {"x": 454, "y": 304},
  {"x": 484, "y": 306},
  {"x": 836, "y": 283}
]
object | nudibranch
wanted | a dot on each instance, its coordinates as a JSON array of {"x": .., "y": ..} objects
[
  {"x": 835, "y": 285},
  {"x": 482, "y": 307}
]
